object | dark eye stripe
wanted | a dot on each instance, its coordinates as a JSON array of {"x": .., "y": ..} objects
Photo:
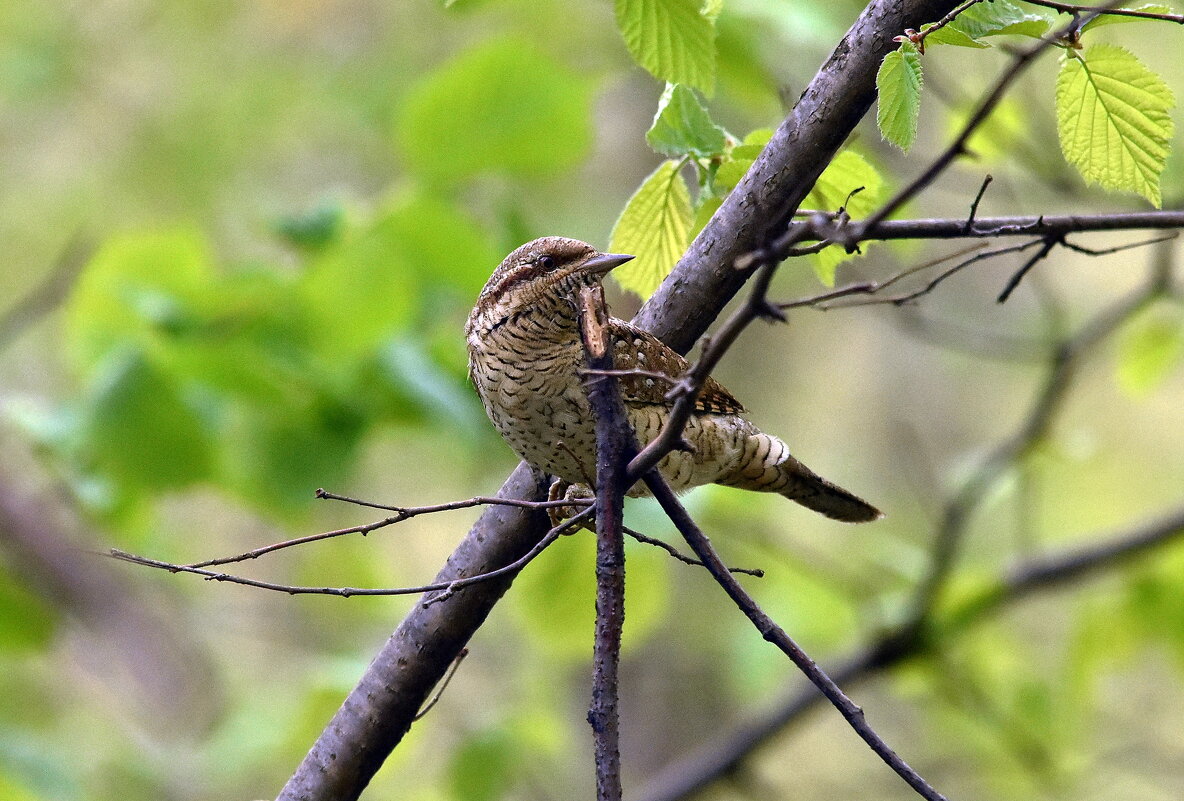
[{"x": 523, "y": 272}]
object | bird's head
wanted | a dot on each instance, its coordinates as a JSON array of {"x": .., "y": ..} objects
[{"x": 541, "y": 272}]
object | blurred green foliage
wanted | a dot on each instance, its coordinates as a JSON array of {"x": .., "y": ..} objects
[{"x": 293, "y": 205}]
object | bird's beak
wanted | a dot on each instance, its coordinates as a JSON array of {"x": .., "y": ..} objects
[{"x": 601, "y": 263}]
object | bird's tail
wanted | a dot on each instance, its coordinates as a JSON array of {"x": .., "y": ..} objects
[{"x": 769, "y": 467}]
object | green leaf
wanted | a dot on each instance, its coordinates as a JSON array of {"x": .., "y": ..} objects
[
  {"x": 1113, "y": 120},
  {"x": 1111, "y": 19},
  {"x": 655, "y": 227},
  {"x": 999, "y": 18},
  {"x": 898, "y": 85},
  {"x": 683, "y": 127},
  {"x": 138, "y": 289},
  {"x": 673, "y": 39},
  {"x": 846, "y": 173},
  {"x": 949, "y": 35},
  {"x": 139, "y": 428},
  {"x": 500, "y": 107},
  {"x": 1152, "y": 346}
]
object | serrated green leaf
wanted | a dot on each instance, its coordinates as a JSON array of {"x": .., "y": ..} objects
[
  {"x": 999, "y": 18},
  {"x": 1111, "y": 19},
  {"x": 949, "y": 35},
  {"x": 1151, "y": 347},
  {"x": 655, "y": 227},
  {"x": 846, "y": 173},
  {"x": 1113, "y": 119},
  {"x": 501, "y": 107},
  {"x": 673, "y": 39},
  {"x": 898, "y": 86},
  {"x": 683, "y": 127}
]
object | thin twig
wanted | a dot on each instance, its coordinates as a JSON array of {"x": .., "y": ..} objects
[
  {"x": 1069, "y": 8},
  {"x": 464, "y": 652},
  {"x": 1020, "y": 62},
  {"x": 680, "y": 556},
  {"x": 982, "y": 190},
  {"x": 778, "y": 637},
  {"x": 401, "y": 513},
  {"x": 1045, "y": 248},
  {"x": 447, "y": 589},
  {"x": 919, "y": 39}
]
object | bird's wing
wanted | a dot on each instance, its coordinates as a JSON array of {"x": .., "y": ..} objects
[{"x": 635, "y": 349}]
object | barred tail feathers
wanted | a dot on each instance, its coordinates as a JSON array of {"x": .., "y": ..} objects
[{"x": 765, "y": 465}]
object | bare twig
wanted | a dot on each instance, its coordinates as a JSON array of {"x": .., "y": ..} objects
[
  {"x": 1020, "y": 62},
  {"x": 778, "y": 637},
  {"x": 615, "y": 444},
  {"x": 982, "y": 190},
  {"x": 1046, "y": 247},
  {"x": 919, "y": 38},
  {"x": 447, "y": 589},
  {"x": 686, "y": 560},
  {"x": 464, "y": 652},
  {"x": 1069, "y": 8},
  {"x": 401, "y": 513}
]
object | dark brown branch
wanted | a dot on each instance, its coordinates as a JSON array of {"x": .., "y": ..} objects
[
  {"x": 615, "y": 444},
  {"x": 774, "y": 634},
  {"x": 988, "y": 227},
  {"x": 1069, "y": 8}
]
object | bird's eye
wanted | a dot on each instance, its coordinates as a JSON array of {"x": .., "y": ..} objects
[{"x": 546, "y": 262}]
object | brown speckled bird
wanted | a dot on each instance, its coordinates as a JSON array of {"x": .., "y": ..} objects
[{"x": 526, "y": 358}]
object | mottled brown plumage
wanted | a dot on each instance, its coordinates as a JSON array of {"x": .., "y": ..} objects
[{"x": 526, "y": 359}]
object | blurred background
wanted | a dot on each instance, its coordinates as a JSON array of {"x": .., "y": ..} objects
[{"x": 241, "y": 240}]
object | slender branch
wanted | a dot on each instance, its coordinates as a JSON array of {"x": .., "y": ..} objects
[
  {"x": 615, "y": 443},
  {"x": 464, "y": 652},
  {"x": 778, "y": 637},
  {"x": 686, "y": 560},
  {"x": 1069, "y": 8},
  {"x": 1046, "y": 247},
  {"x": 919, "y": 39},
  {"x": 447, "y": 589},
  {"x": 989, "y": 227},
  {"x": 401, "y": 513}
]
